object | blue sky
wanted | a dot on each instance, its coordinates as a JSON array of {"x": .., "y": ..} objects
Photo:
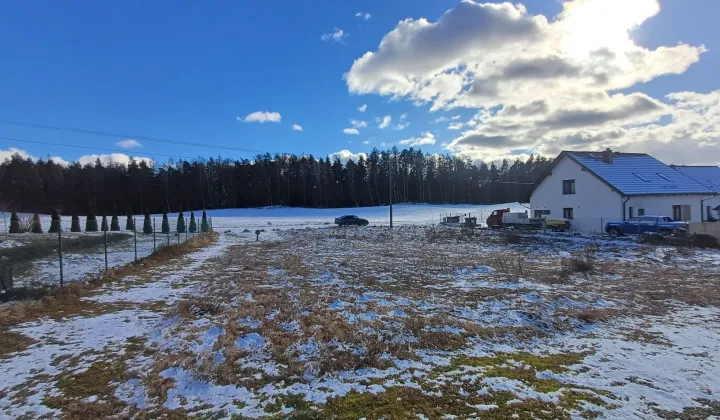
[{"x": 187, "y": 70}]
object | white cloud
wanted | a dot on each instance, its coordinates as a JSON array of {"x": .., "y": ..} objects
[
  {"x": 385, "y": 122},
  {"x": 7, "y": 154},
  {"x": 58, "y": 160},
  {"x": 128, "y": 144},
  {"x": 426, "y": 138},
  {"x": 351, "y": 131},
  {"x": 115, "y": 158},
  {"x": 338, "y": 36},
  {"x": 362, "y": 108},
  {"x": 400, "y": 126},
  {"x": 366, "y": 142},
  {"x": 297, "y": 127},
  {"x": 403, "y": 115},
  {"x": 365, "y": 16},
  {"x": 441, "y": 119},
  {"x": 456, "y": 125},
  {"x": 358, "y": 124},
  {"x": 262, "y": 117},
  {"x": 345, "y": 155},
  {"x": 539, "y": 83}
]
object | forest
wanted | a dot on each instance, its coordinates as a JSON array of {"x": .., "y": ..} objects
[{"x": 265, "y": 180}]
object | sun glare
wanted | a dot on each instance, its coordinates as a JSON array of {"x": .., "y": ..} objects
[{"x": 589, "y": 25}]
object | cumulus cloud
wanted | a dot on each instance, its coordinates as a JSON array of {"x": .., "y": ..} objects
[
  {"x": 338, "y": 36},
  {"x": 7, "y": 154},
  {"x": 297, "y": 127},
  {"x": 58, "y": 160},
  {"x": 345, "y": 155},
  {"x": 364, "y": 16},
  {"x": 351, "y": 131},
  {"x": 128, "y": 144},
  {"x": 403, "y": 115},
  {"x": 539, "y": 83},
  {"x": 426, "y": 138},
  {"x": 113, "y": 158},
  {"x": 385, "y": 122},
  {"x": 366, "y": 142},
  {"x": 401, "y": 126},
  {"x": 456, "y": 125},
  {"x": 262, "y": 117},
  {"x": 358, "y": 124},
  {"x": 362, "y": 108}
]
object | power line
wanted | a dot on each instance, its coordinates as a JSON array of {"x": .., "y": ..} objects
[
  {"x": 127, "y": 136},
  {"x": 90, "y": 148}
]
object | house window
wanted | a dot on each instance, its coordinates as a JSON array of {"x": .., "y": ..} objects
[
  {"x": 568, "y": 186},
  {"x": 568, "y": 213},
  {"x": 681, "y": 213},
  {"x": 709, "y": 215},
  {"x": 641, "y": 212},
  {"x": 539, "y": 214},
  {"x": 631, "y": 212}
]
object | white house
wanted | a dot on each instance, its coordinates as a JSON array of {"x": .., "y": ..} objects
[
  {"x": 710, "y": 177},
  {"x": 593, "y": 188}
]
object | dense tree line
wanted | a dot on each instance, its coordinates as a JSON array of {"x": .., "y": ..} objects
[{"x": 280, "y": 180}]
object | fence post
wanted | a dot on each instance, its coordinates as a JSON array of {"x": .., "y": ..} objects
[
  {"x": 153, "y": 235},
  {"x": 105, "y": 243},
  {"x": 60, "y": 255},
  {"x": 186, "y": 233},
  {"x": 135, "y": 236}
]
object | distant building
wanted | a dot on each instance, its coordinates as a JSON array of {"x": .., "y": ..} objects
[{"x": 592, "y": 188}]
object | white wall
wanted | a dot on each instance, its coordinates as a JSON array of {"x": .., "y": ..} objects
[
  {"x": 593, "y": 203},
  {"x": 663, "y": 205}
]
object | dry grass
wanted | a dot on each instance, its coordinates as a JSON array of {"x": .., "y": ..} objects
[{"x": 68, "y": 300}]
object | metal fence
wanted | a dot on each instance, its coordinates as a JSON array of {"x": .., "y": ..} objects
[{"x": 56, "y": 257}]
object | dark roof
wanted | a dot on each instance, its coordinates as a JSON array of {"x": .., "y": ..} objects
[{"x": 633, "y": 174}]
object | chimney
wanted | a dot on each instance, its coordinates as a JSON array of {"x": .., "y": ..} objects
[{"x": 607, "y": 156}]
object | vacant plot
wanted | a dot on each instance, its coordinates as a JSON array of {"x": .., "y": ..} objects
[{"x": 415, "y": 323}]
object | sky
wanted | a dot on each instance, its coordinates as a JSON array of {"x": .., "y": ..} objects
[{"x": 337, "y": 78}]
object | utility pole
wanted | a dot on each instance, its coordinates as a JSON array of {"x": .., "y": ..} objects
[{"x": 391, "y": 191}]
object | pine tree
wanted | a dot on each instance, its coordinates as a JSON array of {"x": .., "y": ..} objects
[
  {"x": 91, "y": 224},
  {"x": 15, "y": 223},
  {"x": 181, "y": 223},
  {"x": 75, "y": 224},
  {"x": 36, "y": 226},
  {"x": 115, "y": 224},
  {"x": 104, "y": 224},
  {"x": 147, "y": 224},
  {"x": 204, "y": 227},
  {"x": 165, "y": 224},
  {"x": 193, "y": 223},
  {"x": 129, "y": 223},
  {"x": 55, "y": 222}
]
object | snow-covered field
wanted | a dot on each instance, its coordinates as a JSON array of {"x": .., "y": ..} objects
[{"x": 419, "y": 322}]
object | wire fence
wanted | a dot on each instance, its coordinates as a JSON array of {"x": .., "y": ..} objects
[{"x": 68, "y": 250}]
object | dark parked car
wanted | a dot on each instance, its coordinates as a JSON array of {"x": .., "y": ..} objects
[
  {"x": 351, "y": 220},
  {"x": 661, "y": 225}
]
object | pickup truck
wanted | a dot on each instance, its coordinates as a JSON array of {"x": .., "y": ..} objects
[{"x": 661, "y": 225}]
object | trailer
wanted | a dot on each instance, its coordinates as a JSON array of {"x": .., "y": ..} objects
[{"x": 503, "y": 218}]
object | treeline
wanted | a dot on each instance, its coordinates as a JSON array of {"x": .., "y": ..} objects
[{"x": 280, "y": 180}]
